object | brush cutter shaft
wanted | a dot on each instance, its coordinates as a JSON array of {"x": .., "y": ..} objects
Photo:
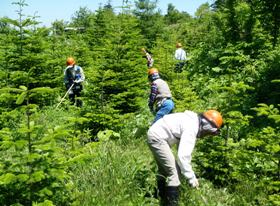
[{"x": 65, "y": 95}]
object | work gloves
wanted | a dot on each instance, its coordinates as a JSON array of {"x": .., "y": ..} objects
[
  {"x": 194, "y": 182},
  {"x": 77, "y": 81}
]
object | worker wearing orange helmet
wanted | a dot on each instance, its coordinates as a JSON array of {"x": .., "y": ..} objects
[
  {"x": 181, "y": 129},
  {"x": 73, "y": 79},
  {"x": 160, "y": 99}
]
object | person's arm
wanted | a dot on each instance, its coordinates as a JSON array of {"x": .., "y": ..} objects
[
  {"x": 184, "y": 57},
  {"x": 153, "y": 95},
  {"x": 65, "y": 80},
  {"x": 185, "y": 149},
  {"x": 176, "y": 55},
  {"x": 67, "y": 77},
  {"x": 80, "y": 76},
  {"x": 149, "y": 58}
]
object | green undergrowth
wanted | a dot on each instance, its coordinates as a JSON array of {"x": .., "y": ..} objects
[
  {"x": 118, "y": 170},
  {"x": 125, "y": 175},
  {"x": 122, "y": 172}
]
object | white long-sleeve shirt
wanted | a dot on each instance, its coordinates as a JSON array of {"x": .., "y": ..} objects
[
  {"x": 180, "y": 54},
  {"x": 181, "y": 129}
]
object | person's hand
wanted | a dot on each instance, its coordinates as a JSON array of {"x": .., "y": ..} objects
[
  {"x": 194, "y": 183},
  {"x": 76, "y": 81},
  {"x": 151, "y": 107}
]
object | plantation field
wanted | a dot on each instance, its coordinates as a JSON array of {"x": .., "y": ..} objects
[{"x": 56, "y": 153}]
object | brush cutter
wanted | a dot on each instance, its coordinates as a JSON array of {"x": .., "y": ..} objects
[{"x": 65, "y": 95}]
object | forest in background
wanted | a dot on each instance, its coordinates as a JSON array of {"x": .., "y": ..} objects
[{"x": 48, "y": 155}]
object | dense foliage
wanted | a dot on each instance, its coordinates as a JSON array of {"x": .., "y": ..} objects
[{"x": 49, "y": 154}]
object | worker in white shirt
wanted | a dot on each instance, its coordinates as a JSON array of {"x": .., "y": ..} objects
[
  {"x": 180, "y": 129},
  {"x": 181, "y": 57}
]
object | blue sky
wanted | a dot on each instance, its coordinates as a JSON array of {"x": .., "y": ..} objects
[{"x": 51, "y": 10}]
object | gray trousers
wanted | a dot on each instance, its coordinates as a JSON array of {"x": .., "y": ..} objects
[{"x": 166, "y": 162}]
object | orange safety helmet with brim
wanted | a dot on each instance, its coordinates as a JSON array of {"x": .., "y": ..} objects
[
  {"x": 152, "y": 71},
  {"x": 214, "y": 117},
  {"x": 70, "y": 61},
  {"x": 153, "y": 74}
]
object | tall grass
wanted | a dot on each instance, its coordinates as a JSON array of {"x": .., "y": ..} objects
[
  {"x": 118, "y": 175},
  {"x": 122, "y": 173}
]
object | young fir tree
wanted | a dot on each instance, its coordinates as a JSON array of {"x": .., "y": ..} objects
[
  {"x": 25, "y": 60},
  {"x": 150, "y": 21},
  {"x": 117, "y": 81},
  {"x": 32, "y": 165}
]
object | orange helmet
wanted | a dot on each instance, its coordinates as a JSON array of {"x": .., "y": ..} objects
[
  {"x": 152, "y": 71},
  {"x": 215, "y": 117},
  {"x": 70, "y": 61}
]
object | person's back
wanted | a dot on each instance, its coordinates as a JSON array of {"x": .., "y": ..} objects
[
  {"x": 180, "y": 54},
  {"x": 180, "y": 122},
  {"x": 73, "y": 79},
  {"x": 160, "y": 95},
  {"x": 72, "y": 73},
  {"x": 163, "y": 89},
  {"x": 181, "y": 57}
]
